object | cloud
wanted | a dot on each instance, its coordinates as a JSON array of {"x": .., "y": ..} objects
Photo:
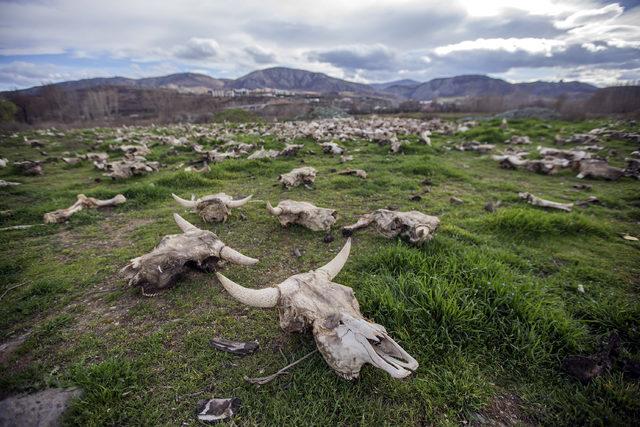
[
  {"x": 260, "y": 55},
  {"x": 532, "y": 46},
  {"x": 590, "y": 16},
  {"x": 359, "y": 39},
  {"x": 357, "y": 57},
  {"x": 198, "y": 48}
]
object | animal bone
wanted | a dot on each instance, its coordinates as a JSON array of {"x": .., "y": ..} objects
[
  {"x": 290, "y": 150},
  {"x": 357, "y": 172},
  {"x": 343, "y": 336},
  {"x": 303, "y": 213},
  {"x": 3, "y": 163},
  {"x": 425, "y": 137},
  {"x": 332, "y": 148},
  {"x": 128, "y": 167},
  {"x": 213, "y": 208},
  {"x": 61, "y": 215},
  {"x": 633, "y": 168},
  {"x": 263, "y": 154},
  {"x": 344, "y": 159},
  {"x": 518, "y": 140},
  {"x": 29, "y": 167},
  {"x": 549, "y": 165},
  {"x": 475, "y": 146},
  {"x": 135, "y": 150},
  {"x": 71, "y": 160},
  {"x": 596, "y": 168},
  {"x": 536, "y": 201},
  {"x": 413, "y": 225},
  {"x": 175, "y": 253},
  {"x": 571, "y": 155},
  {"x": 4, "y": 183},
  {"x": 214, "y": 156},
  {"x": 304, "y": 175}
]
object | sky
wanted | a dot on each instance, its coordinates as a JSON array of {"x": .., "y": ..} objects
[{"x": 44, "y": 41}]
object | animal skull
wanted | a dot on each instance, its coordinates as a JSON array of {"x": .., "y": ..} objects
[
  {"x": 298, "y": 176},
  {"x": 213, "y": 208},
  {"x": 595, "y": 168},
  {"x": 127, "y": 167},
  {"x": 29, "y": 167},
  {"x": 175, "y": 253},
  {"x": 303, "y": 213},
  {"x": 343, "y": 336},
  {"x": 413, "y": 225},
  {"x": 331, "y": 148}
]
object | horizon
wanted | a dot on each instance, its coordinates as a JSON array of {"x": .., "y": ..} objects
[
  {"x": 296, "y": 69},
  {"x": 590, "y": 41}
]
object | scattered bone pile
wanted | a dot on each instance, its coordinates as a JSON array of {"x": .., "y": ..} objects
[{"x": 127, "y": 167}]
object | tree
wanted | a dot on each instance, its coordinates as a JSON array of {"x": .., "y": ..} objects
[{"x": 8, "y": 111}]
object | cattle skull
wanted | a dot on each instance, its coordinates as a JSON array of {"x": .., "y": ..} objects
[
  {"x": 344, "y": 337},
  {"x": 304, "y": 175},
  {"x": 175, "y": 253},
  {"x": 213, "y": 208},
  {"x": 303, "y": 213},
  {"x": 413, "y": 225}
]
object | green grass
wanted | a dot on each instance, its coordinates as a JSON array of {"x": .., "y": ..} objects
[{"x": 489, "y": 307}]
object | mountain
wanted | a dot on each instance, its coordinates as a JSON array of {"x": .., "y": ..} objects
[
  {"x": 402, "y": 83},
  {"x": 479, "y": 85},
  {"x": 553, "y": 89},
  {"x": 181, "y": 81},
  {"x": 301, "y": 80}
]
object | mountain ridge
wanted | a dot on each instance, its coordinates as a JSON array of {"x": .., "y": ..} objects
[{"x": 301, "y": 80}]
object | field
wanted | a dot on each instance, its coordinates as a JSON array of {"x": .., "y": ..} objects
[{"x": 490, "y": 307}]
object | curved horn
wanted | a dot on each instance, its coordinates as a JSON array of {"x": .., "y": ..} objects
[
  {"x": 272, "y": 210},
  {"x": 264, "y": 298},
  {"x": 238, "y": 203},
  {"x": 236, "y": 257},
  {"x": 184, "y": 224},
  {"x": 333, "y": 267},
  {"x": 183, "y": 202}
]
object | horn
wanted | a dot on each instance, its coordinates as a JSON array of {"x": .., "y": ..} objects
[
  {"x": 184, "y": 224},
  {"x": 264, "y": 298},
  {"x": 238, "y": 203},
  {"x": 333, "y": 267},
  {"x": 272, "y": 210},
  {"x": 236, "y": 257},
  {"x": 184, "y": 203}
]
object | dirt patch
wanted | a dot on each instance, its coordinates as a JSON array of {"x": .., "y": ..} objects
[
  {"x": 44, "y": 408},
  {"x": 9, "y": 347},
  {"x": 504, "y": 410},
  {"x": 115, "y": 232}
]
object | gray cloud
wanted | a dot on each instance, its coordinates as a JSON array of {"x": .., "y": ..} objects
[
  {"x": 198, "y": 48},
  {"x": 358, "y": 57},
  {"x": 260, "y": 56},
  {"x": 358, "y": 40}
]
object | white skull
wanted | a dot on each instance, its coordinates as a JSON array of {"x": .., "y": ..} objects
[{"x": 344, "y": 337}]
